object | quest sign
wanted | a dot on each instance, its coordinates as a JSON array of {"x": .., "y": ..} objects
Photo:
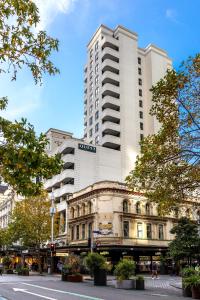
[{"x": 87, "y": 148}]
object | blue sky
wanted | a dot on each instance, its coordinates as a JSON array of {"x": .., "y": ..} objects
[{"x": 173, "y": 25}]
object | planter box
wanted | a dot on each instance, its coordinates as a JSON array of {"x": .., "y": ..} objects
[
  {"x": 187, "y": 291},
  {"x": 125, "y": 284},
  {"x": 23, "y": 273},
  {"x": 100, "y": 277},
  {"x": 196, "y": 292},
  {"x": 139, "y": 284},
  {"x": 64, "y": 277},
  {"x": 75, "y": 278},
  {"x": 9, "y": 271}
]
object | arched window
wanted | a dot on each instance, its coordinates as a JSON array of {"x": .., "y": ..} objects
[
  {"x": 83, "y": 209},
  {"x": 89, "y": 207},
  {"x": 138, "y": 208},
  {"x": 72, "y": 212},
  {"x": 78, "y": 211},
  {"x": 125, "y": 206},
  {"x": 148, "y": 209},
  {"x": 187, "y": 213}
]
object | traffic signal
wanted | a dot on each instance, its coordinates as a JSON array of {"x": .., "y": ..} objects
[{"x": 52, "y": 247}]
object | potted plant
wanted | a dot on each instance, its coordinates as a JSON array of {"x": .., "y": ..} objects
[
  {"x": 70, "y": 271},
  {"x": 66, "y": 270},
  {"x": 187, "y": 272},
  {"x": 124, "y": 270},
  {"x": 96, "y": 264},
  {"x": 23, "y": 271},
  {"x": 140, "y": 282},
  {"x": 193, "y": 282}
]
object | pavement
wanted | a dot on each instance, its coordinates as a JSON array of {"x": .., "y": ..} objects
[{"x": 50, "y": 287}]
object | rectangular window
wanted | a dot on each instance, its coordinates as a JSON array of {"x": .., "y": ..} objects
[
  {"x": 96, "y": 56},
  {"x": 91, "y": 108},
  {"x": 90, "y": 121},
  {"x": 149, "y": 231},
  {"x": 90, "y": 132},
  {"x": 91, "y": 97},
  {"x": 83, "y": 231},
  {"x": 140, "y": 92},
  {"x": 96, "y": 91},
  {"x": 140, "y": 103},
  {"x": 89, "y": 230},
  {"x": 126, "y": 229},
  {"x": 139, "y": 230},
  {"x": 91, "y": 53},
  {"x": 160, "y": 232},
  {"x": 72, "y": 233},
  {"x": 96, "y": 68},
  {"x": 96, "y": 45},
  {"x": 77, "y": 232},
  {"x": 91, "y": 86},
  {"x": 96, "y": 103},
  {"x": 91, "y": 64},
  {"x": 140, "y": 81},
  {"x": 97, "y": 79},
  {"x": 96, "y": 115},
  {"x": 141, "y": 114},
  {"x": 139, "y": 60},
  {"x": 141, "y": 137},
  {"x": 97, "y": 140},
  {"x": 141, "y": 126},
  {"x": 91, "y": 74},
  {"x": 139, "y": 71},
  {"x": 97, "y": 127}
]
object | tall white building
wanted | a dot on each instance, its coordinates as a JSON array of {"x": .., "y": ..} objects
[{"x": 118, "y": 76}]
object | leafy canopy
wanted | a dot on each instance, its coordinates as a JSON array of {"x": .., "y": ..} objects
[
  {"x": 22, "y": 153},
  {"x": 168, "y": 169}
]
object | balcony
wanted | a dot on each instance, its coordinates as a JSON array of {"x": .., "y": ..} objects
[
  {"x": 109, "y": 65},
  {"x": 111, "y": 116},
  {"x": 110, "y": 77},
  {"x": 111, "y": 129},
  {"x": 110, "y": 90},
  {"x": 111, "y": 102},
  {"x": 68, "y": 150},
  {"x": 64, "y": 190},
  {"x": 110, "y": 141},
  {"x": 110, "y": 42},
  {"x": 68, "y": 158},
  {"x": 65, "y": 175},
  {"x": 110, "y": 54}
]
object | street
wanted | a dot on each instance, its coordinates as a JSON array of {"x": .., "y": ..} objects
[{"x": 14, "y": 287}]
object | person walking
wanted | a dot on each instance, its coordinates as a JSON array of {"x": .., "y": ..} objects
[{"x": 154, "y": 270}]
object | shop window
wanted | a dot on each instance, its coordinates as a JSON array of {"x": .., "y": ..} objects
[
  {"x": 77, "y": 232},
  {"x": 149, "y": 231},
  {"x": 139, "y": 230},
  {"x": 125, "y": 206},
  {"x": 126, "y": 229}
]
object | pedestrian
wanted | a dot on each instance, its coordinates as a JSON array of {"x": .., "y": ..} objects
[{"x": 154, "y": 270}]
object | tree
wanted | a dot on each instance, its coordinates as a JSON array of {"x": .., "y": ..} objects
[
  {"x": 22, "y": 153},
  {"x": 30, "y": 222},
  {"x": 168, "y": 169},
  {"x": 186, "y": 243}
]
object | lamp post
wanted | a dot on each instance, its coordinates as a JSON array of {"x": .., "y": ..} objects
[{"x": 52, "y": 213}]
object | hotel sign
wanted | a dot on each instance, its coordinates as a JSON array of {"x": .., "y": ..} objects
[{"x": 87, "y": 148}]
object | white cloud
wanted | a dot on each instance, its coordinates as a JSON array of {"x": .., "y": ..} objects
[
  {"x": 49, "y": 9},
  {"x": 171, "y": 14}
]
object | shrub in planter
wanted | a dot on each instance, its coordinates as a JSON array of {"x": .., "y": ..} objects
[
  {"x": 140, "y": 282},
  {"x": 124, "y": 270},
  {"x": 23, "y": 271},
  {"x": 66, "y": 270},
  {"x": 9, "y": 271},
  {"x": 96, "y": 264},
  {"x": 193, "y": 282},
  {"x": 75, "y": 278},
  {"x": 187, "y": 272}
]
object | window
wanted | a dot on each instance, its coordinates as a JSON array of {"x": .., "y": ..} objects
[
  {"x": 96, "y": 68},
  {"x": 90, "y": 121},
  {"x": 91, "y": 108},
  {"x": 90, "y": 132},
  {"x": 91, "y": 97},
  {"x": 96, "y": 91},
  {"x": 83, "y": 231},
  {"x": 139, "y": 60},
  {"x": 77, "y": 232},
  {"x": 91, "y": 53},
  {"x": 72, "y": 212},
  {"x": 91, "y": 86},
  {"x": 149, "y": 231},
  {"x": 91, "y": 64},
  {"x": 141, "y": 114},
  {"x": 141, "y": 137},
  {"x": 97, "y": 140},
  {"x": 141, "y": 126},
  {"x": 139, "y": 230},
  {"x": 96, "y": 45},
  {"x": 139, "y": 71},
  {"x": 140, "y": 81},
  {"x": 83, "y": 209},
  {"x": 96, "y": 103},
  {"x": 160, "y": 232},
  {"x": 138, "y": 208},
  {"x": 91, "y": 74},
  {"x": 89, "y": 230},
  {"x": 187, "y": 213},
  {"x": 96, "y": 115},
  {"x": 72, "y": 233},
  {"x": 140, "y": 92},
  {"x": 140, "y": 103},
  {"x": 176, "y": 212},
  {"x": 89, "y": 207},
  {"x": 97, "y": 79},
  {"x": 125, "y": 206},
  {"x": 126, "y": 229},
  {"x": 97, "y": 127},
  {"x": 78, "y": 211},
  {"x": 147, "y": 208},
  {"x": 96, "y": 56}
]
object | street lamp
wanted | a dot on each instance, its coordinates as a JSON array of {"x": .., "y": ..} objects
[{"x": 52, "y": 213}]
